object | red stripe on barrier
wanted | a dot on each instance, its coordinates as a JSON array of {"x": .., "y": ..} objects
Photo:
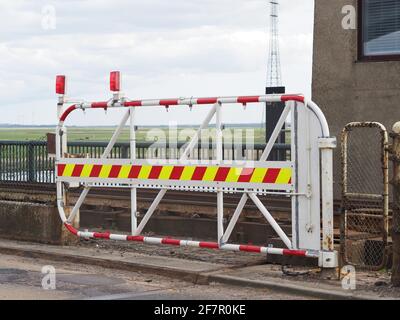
[
  {"x": 77, "y": 170},
  {"x": 290, "y": 181},
  {"x": 137, "y": 103},
  {"x": 155, "y": 172},
  {"x": 198, "y": 173},
  {"x": 172, "y": 242},
  {"x": 114, "y": 172},
  {"x": 71, "y": 229},
  {"x": 134, "y": 173},
  {"x": 102, "y": 105},
  {"x": 297, "y": 253},
  {"x": 67, "y": 112},
  {"x": 60, "y": 169},
  {"x": 207, "y": 100},
  {"x": 135, "y": 238},
  {"x": 271, "y": 175},
  {"x": 169, "y": 102},
  {"x": 288, "y": 97},
  {"x": 248, "y": 99},
  {"x": 209, "y": 245},
  {"x": 101, "y": 235},
  {"x": 95, "y": 171},
  {"x": 222, "y": 173},
  {"x": 176, "y": 173},
  {"x": 246, "y": 174},
  {"x": 250, "y": 248}
]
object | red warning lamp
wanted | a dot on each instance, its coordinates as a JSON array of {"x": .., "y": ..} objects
[
  {"x": 115, "y": 81},
  {"x": 60, "y": 84}
]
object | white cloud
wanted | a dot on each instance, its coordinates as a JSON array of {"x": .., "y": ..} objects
[{"x": 164, "y": 49}]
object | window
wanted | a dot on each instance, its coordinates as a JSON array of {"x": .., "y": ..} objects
[{"x": 379, "y": 29}]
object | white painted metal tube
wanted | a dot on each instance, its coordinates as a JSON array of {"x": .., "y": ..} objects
[
  {"x": 133, "y": 158},
  {"x": 275, "y": 134},
  {"x": 150, "y": 212},
  {"x": 321, "y": 118},
  {"x": 115, "y": 135},
  {"x": 105, "y": 154},
  {"x": 220, "y": 194},
  {"x": 220, "y": 216},
  {"x": 195, "y": 138},
  {"x": 271, "y": 220},
  {"x": 184, "y": 156},
  {"x": 235, "y": 218},
  {"x": 326, "y": 146},
  {"x": 264, "y": 157}
]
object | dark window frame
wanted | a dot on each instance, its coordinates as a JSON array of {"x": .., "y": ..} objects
[{"x": 360, "y": 33}]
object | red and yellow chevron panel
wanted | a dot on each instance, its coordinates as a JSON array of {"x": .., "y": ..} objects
[{"x": 280, "y": 176}]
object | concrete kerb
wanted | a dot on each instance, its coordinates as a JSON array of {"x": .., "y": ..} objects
[{"x": 217, "y": 274}]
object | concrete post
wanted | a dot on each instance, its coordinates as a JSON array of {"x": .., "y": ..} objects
[{"x": 396, "y": 205}]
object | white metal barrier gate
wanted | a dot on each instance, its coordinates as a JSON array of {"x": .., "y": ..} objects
[{"x": 299, "y": 178}]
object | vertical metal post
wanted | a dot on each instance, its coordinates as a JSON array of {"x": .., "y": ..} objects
[
  {"x": 396, "y": 205},
  {"x": 220, "y": 194},
  {"x": 326, "y": 145},
  {"x": 133, "y": 158},
  {"x": 31, "y": 162}
]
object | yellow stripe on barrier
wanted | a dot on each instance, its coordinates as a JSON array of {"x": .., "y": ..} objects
[
  {"x": 210, "y": 174},
  {"x": 166, "y": 172},
  {"x": 124, "y": 172},
  {"x": 87, "y": 169},
  {"x": 258, "y": 175},
  {"x": 284, "y": 176},
  {"x": 144, "y": 172},
  {"x": 69, "y": 168},
  {"x": 187, "y": 173},
  {"x": 234, "y": 174},
  {"x": 105, "y": 171}
]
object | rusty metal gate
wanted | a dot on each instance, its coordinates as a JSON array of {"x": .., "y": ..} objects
[{"x": 365, "y": 195}]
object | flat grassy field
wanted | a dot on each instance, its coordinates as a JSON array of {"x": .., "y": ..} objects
[{"x": 105, "y": 133}]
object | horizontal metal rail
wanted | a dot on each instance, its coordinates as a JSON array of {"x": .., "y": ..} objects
[
  {"x": 190, "y": 243},
  {"x": 29, "y": 161}
]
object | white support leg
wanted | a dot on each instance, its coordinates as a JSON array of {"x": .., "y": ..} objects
[
  {"x": 184, "y": 156},
  {"x": 271, "y": 220},
  {"x": 235, "y": 218},
  {"x": 329, "y": 257},
  {"x": 220, "y": 194},
  {"x": 133, "y": 158},
  {"x": 220, "y": 216}
]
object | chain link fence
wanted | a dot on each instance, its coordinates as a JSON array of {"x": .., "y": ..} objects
[{"x": 365, "y": 195}]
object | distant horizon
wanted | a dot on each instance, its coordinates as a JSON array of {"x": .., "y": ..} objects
[{"x": 11, "y": 125}]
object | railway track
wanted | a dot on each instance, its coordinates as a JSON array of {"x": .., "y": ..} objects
[
  {"x": 277, "y": 204},
  {"x": 181, "y": 214}
]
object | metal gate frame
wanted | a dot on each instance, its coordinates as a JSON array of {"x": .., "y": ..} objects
[
  {"x": 311, "y": 146},
  {"x": 347, "y": 197}
]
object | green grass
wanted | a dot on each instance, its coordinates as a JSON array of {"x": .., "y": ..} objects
[{"x": 105, "y": 133}]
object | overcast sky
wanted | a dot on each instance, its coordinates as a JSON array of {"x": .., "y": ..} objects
[{"x": 164, "y": 49}]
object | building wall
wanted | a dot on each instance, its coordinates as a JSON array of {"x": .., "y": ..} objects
[{"x": 346, "y": 89}]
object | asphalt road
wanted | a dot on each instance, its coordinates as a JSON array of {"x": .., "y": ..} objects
[{"x": 21, "y": 278}]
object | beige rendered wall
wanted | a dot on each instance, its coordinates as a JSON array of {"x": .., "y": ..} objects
[{"x": 346, "y": 89}]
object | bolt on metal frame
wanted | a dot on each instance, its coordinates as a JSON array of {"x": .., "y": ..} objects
[{"x": 310, "y": 140}]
